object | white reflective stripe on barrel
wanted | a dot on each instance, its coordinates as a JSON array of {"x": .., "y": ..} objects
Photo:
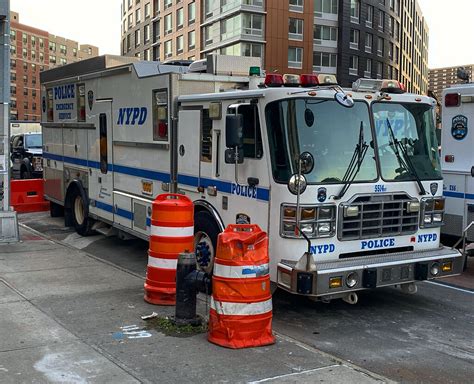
[
  {"x": 241, "y": 309},
  {"x": 241, "y": 271},
  {"x": 162, "y": 263},
  {"x": 171, "y": 231}
]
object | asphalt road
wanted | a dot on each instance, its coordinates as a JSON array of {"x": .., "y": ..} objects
[{"x": 422, "y": 338}]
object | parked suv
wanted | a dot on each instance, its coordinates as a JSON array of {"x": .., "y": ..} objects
[{"x": 27, "y": 155}]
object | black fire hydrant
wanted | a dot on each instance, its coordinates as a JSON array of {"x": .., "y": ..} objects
[{"x": 189, "y": 281}]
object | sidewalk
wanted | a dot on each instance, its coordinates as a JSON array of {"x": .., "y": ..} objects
[{"x": 67, "y": 317}]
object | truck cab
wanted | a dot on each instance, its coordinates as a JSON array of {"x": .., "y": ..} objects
[{"x": 27, "y": 155}]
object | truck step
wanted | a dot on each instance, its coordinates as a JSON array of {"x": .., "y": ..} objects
[{"x": 104, "y": 229}]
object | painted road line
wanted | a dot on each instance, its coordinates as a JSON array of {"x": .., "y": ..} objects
[
  {"x": 294, "y": 374},
  {"x": 450, "y": 287}
]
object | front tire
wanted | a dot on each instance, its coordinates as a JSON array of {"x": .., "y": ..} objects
[
  {"x": 82, "y": 222},
  {"x": 206, "y": 231}
]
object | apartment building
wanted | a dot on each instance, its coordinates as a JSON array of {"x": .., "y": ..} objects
[
  {"x": 349, "y": 38},
  {"x": 34, "y": 50},
  {"x": 441, "y": 78}
]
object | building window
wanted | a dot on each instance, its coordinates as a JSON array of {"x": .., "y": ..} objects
[
  {"x": 52, "y": 46},
  {"x": 63, "y": 49},
  {"x": 379, "y": 70},
  {"x": 24, "y": 38},
  {"x": 324, "y": 32},
  {"x": 324, "y": 59},
  {"x": 41, "y": 56},
  {"x": 25, "y": 92},
  {"x": 368, "y": 68},
  {"x": 295, "y": 29},
  {"x": 12, "y": 34},
  {"x": 168, "y": 23},
  {"x": 252, "y": 24},
  {"x": 353, "y": 65},
  {"x": 137, "y": 16},
  {"x": 52, "y": 59},
  {"x": 168, "y": 48},
  {"x": 296, "y": 5},
  {"x": 33, "y": 55},
  {"x": 179, "y": 18},
  {"x": 370, "y": 16},
  {"x": 369, "y": 41},
  {"x": 74, "y": 52},
  {"x": 191, "y": 12},
  {"x": 355, "y": 11},
  {"x": 191, "y": 40},
  {"x": 354, "y": 42},
  {"x": 295, "y": 57},
  {"x": 12, "y": 63},
  {"x": 13, "y": 50},
  {"x": 137, "y": 38},
  {"x": 13, "y": 91},
  {"x": 130, "y": 20},
  {"x": 391, "y": 51},
  {"x": 381, "y": 20},
  {"x": 25, "y": 53},
  {"x": 379, "y": 46},
  {"x": 25, "y": 66},
  {"x": 179, "y": 44},
  {"x": 167, "y": 3},
  {"x": 146, "y": 54},
  {"x": 147, "y": 10},
  {"x": 326, "y": 6},
  {"x": 25, "y": 80},
  {"x": 146, "y": 33},
  {"x": 41, "y": 43},
  {"x": 33, "y": 41}
]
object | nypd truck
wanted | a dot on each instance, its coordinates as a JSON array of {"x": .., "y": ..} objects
[
  {"x": 346, "y": 182},
  {"x": 457, "y": 159}
]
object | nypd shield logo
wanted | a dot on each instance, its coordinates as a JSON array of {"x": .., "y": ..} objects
[
  {"x": 459, "y": 127},
  {"x": 433, "y": 188},
  {"x": 90, "y": 99}
]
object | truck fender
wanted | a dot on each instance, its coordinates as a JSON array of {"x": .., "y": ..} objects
[
  {"x": 202, "y": 205},
  {"x": 74, "y": 185}
]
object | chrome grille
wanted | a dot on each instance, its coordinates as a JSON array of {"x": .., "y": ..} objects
[{"x": 379, "y": 216}]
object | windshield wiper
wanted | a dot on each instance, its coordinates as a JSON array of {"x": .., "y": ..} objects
[
  {"x": 354, "y": 166},
  {"x": 404, "y": 162}
]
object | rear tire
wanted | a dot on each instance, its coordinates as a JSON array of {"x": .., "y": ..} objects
[
  {"x": 206, "y": 231},
  {"x": 82, "y": 222},
  {"x": 55, "y": 210}
]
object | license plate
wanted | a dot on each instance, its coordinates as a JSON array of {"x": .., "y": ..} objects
[{"x": 147, "y": 187}]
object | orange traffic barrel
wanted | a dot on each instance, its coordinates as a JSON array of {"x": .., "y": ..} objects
[
  {"x": 241, "y": 303},
  {"x": 171, "y": 233}
]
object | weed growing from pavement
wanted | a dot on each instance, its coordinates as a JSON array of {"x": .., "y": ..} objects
[{"x": 169, "y": 328}]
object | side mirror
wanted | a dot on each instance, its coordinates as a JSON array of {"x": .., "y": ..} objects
[{"x": 234, "y": 131}]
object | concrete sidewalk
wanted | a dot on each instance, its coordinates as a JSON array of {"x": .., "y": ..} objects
[{"x": 67, "y": 317}]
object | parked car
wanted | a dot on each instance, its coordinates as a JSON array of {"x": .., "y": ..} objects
[{"x": 27, "y": 155}]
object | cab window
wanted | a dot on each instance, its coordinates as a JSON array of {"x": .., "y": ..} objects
[{"x": 252, "y": 136}]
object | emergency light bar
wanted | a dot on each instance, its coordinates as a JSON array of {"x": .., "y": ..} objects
[
  {"x": 373, "y": 85},
  {"x": 305, "y": 80}
]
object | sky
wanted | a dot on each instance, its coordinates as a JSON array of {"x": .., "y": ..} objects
[{"x": 97, "y": 22}]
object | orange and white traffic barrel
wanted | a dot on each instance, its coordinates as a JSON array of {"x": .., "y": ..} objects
[
  {"x": 241, "y": 303},
  {"x": 171, "y": 233}
]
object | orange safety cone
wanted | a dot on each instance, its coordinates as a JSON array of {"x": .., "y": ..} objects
[
  {"x": 171, "y": 233},
  {"x": 241, "y": 303}
]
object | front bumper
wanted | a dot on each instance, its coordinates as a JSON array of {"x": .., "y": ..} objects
[{"x": 373, "y": 271}]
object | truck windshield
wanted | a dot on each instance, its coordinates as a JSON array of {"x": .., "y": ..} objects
[
  {"x": 329, "y": 131},
  {"x": 33, "y": 141},
  {"x": 412, "y": 126}
]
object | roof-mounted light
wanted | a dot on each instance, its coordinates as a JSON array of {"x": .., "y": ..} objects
[
  {"x": 291, "y": 80},
  {"x": 373, "y": 85},
  {"x": 309, "y": 80},
  {"x": 452, "y": 100},
  {"x": 273, "y": 80},
  {"x": 327, "y": 79}
]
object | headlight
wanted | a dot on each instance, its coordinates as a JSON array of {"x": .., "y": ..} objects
[
  {"x": 352, "y": 279},
  {"x": 432, "y": 212},
  {"x": 351, "y": 211},
  {"x": 413, "y": 206},
  {"x": 314, "y": 221}
]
